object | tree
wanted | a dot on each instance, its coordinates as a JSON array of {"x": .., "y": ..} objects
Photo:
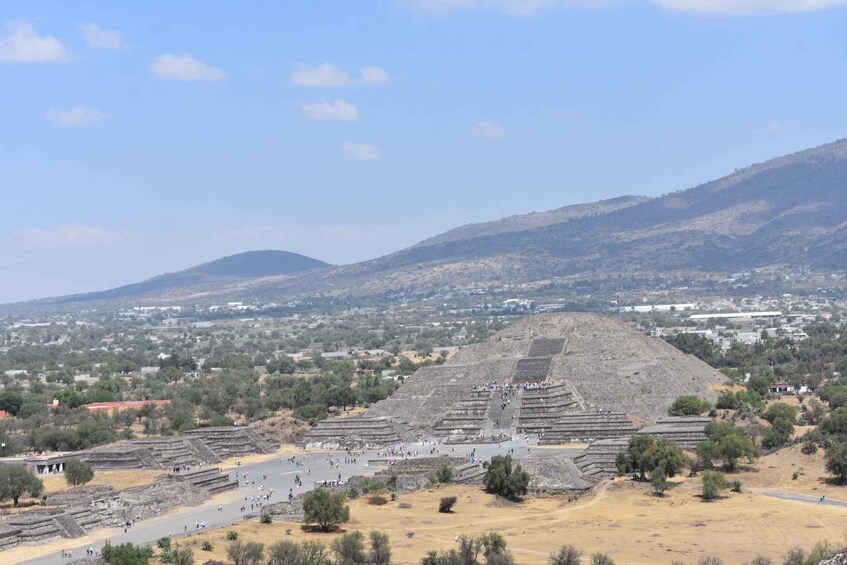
[
  {"x": 444, "y": 474},
  {"x": 446, "y": 504},
  {"x": 314, "y": 553},
  {"x": 567, "y": 555},
  {"x": 726, "y": 442},
  {"x": 284, "y": 552},
  {"x": 836, "y": 460},
  {"x": 713, "y": 483},
  {"x": 380, "y": 553},
  {"x": 245, "y": 553},
  {"x": 182, "y": 555},
  {"x": 78, "y": 472},
  {"x": 126, "y": 554},
  {"x": 646, "y": 453},
  {"x": 15, "y": 480},
  {"x": 780, "y": 410},
  {"x": 503, "y": 480},
  {"x": 660, "y": 481},
  {"x": 325, "y": 509},
  {"x": 688, "y": 406},
  {"x": 349, "y": 549}
]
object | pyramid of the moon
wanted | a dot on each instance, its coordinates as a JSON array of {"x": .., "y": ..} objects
[{"x": 568, "y": 376}]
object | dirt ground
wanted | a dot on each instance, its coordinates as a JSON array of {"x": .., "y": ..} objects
[
  {"x": 118, "y": 479},
  {"x": 622, "y": 519},
  {"x": 776, "y": 471}
]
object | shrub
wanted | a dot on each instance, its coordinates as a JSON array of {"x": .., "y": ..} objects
[
  {"x": 380, "y": 552},
  {"x": 231, "y": 535},
  {"x": 795, "y": 556},
  {"x": 737, "y": 487},
  {"x": 207, "y": 546},
  {"x": 710, "y": 560},
  {"x": 660, "y": 481},
  {"x": 836, "y": 460},
  {"x": 567, "y": 555},
  {"x": 780, "y": 410},
  {"x": 349, "y": 549},
  {"x": 377, "y": 500},
  {"x": 245, "y": 553},
  {"x": 688, "y": 406},
  {"x": 266, "y": 518},
  {"x": 809, "y": 448},
  {"x": 446, "y": 504},
  {"x": 393, "y": 496},
  {"x": 126, "y": 554},
  {"x": 404, "y": 505},
  {"x": 646, "y": 453},
  {"x": 325, "y": 509},
  {"x": 164, "y": 543},
  {"x": 761, "y": 560},
  {"x": 601, "y": 559},
  {"x": 444, "y": 474},
  {"x": 713, "y": 483},
  {"x": 504, "y": 480},
  {"x": 78, "y": 472}
]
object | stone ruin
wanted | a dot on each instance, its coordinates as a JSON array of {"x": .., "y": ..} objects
[
  {"x": 203, "y": 446},
  {"x": 80, "y": 510},
  {"x": 563, "y": 377}
]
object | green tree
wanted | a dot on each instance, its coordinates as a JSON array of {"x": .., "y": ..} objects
[
  {"x": 646, "y": 453},
  {"x": 380, "y": 552},
  {"x": 126, "y": 554},
  {"x": 285, "y": 552},
  {"x": 15, "y": 480},
  {"x": 660, "y": 482},
  {"x": 245, "y": 553},
  {"x": 78, "y": 472},
  {"x": 326, "y": 509},
  {"x": 446, "y": 504},
  {"x": 566, "y": 555},
  {"x": 713, "y": 483},
  {"x": 349, "y": 549},
  {"x": 727, "y": 442},
  {"x": 688, "y": 406},
  {"x": 780, "y": 410},
  {"x": 504, "y": 480},
  {"x": 836, "y": 460}
]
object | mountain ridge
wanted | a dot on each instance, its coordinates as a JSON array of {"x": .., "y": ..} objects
[{"x": 788, "y": 211}]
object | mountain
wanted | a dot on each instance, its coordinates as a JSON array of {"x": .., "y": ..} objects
[
  {"x": 227, "y": 271},
  {"x": 789, "y": 212}
]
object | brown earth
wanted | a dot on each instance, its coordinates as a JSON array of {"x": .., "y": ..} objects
[{"x": 622, "y": 519}]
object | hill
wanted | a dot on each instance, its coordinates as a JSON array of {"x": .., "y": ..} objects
[
  {"x": 788, "y": 212},
  {"x": 223, "y": 272}
]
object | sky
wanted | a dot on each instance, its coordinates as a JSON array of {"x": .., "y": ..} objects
[{"x": 138, "y": 138}]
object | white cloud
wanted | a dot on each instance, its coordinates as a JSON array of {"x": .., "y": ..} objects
[
  {"x": 324, "y": 75},
  {"x": 65, "y": 235},
  {"x": 360, "y": 151},
  {"x": 374, "y": 75},
  {"x": 327, "y": 75},
  {"x": 773, "y": 128},
  {"x": 338, "y": 111},
  {"x": 75, "y": 116},
  {"x": 184, "y": 67},
  {"x": 744, "y": 7},
  {"x": 488, "y": 130},
  {"x": 21, "y": 44},
  {"x": 101, "y": 38}
]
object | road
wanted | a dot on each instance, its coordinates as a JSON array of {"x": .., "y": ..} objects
[
  {"x": 783, "y": 495},
  {"x": 280, "y": 474}
]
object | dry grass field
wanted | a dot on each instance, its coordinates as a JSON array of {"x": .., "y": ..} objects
[
  {"x": 118, "y": 479},
  {"x": 622, "y": 518}
]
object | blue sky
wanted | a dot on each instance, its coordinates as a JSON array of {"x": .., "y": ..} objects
[{"x": 144, "y": 137}]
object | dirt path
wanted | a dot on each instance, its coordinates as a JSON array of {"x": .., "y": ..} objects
[{"x": 783, "y": 495}]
